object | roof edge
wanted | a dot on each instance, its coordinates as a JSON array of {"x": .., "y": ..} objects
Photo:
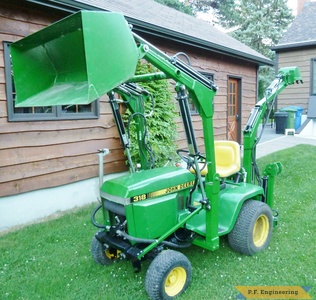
[
  {"x": 291, "y": 46},
  {"x": 191, "y": 41},
  {"x": 72, "y": 6}
]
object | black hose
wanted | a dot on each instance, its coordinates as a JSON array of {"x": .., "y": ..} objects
[
  {"x": 183, "y": 54},
  {"x": 173, "y": 245},
  {"x": 94, "y": 222},
  {"x": 149, "y": 241},
  {"x": 146, "y": 142}
]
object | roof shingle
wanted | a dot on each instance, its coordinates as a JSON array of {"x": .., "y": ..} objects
[
  {"x": 302, "y": 31},
  {"x": 167, "y": 22}
]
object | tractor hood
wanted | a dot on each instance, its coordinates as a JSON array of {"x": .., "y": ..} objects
[{"x": 146, "y": 184}]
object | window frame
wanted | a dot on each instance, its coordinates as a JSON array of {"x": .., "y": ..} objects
[
  {"x": 56, "y": 113},
  {"x": 193, "y": 109},
  {"x": 313, "y": 77}
]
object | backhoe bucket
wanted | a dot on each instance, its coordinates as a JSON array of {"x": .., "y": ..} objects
[{"x": 73, "y": 61}]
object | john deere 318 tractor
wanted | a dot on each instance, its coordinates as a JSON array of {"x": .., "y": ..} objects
[{"x": 151, "y": 213}]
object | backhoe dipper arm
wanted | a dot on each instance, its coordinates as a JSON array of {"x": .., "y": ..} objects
[{"x": 285, "y": 77}]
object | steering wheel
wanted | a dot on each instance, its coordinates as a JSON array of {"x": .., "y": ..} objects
[
  {"x": 189, "y": 160},
  {"x": 185, "y": 158}
]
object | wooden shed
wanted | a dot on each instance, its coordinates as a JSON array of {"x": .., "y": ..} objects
[{"x": 53, "y": 146}]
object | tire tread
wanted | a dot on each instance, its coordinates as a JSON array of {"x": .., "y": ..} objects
[
  {"x": 160, "y": 267},
  {"x": 240, "y": 238}
]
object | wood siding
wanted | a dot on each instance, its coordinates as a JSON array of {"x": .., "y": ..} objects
[
  {"x": 297, "y": 95},
  {"x": 43, "y": 154}
]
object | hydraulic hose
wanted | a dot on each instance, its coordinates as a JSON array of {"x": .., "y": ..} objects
[
  {"x": 94, "y": 222},
  {"x": 256, "y": 168},
  {"x": 149, "y": 241}
]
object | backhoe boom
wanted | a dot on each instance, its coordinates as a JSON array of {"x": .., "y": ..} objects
[{"x": 286, "y": 76}]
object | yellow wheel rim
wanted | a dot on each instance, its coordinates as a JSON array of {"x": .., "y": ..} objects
[
  {"x": 261, "y": 230},
  {"x": 175, "y": 281},
  {"x": 112, "y": 254}
]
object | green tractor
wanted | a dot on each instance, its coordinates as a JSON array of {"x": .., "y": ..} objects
[{"x": 151, "y": 213}]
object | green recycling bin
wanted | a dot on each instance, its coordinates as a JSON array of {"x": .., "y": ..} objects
[
  {"x": 294, "y": 116},
  {"x": 291, "y": 113}
]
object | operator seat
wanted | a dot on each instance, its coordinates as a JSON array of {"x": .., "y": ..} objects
[{"x": 227, "y": 156}]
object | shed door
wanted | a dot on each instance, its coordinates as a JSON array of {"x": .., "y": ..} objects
[{"x": 233, "y": 110}]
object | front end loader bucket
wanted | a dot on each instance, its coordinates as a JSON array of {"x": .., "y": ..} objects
[{"x": 73, "y": 61}]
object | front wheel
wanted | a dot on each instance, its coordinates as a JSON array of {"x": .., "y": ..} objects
[
  {"x": 102, "y": 254},
  {"x": 253, "y": 229},
  {"x": 168, "y": 275}
]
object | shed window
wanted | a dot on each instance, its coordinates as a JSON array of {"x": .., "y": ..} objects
[
  {"x": 61, "y": 112},
  {"x": 193, "y": 109}
]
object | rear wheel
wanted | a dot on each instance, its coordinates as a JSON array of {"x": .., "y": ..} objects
[
  {"x": 102, "y": 254},
  {"x": 253, "y": 229},
  {"x": 168, "y": 275}
]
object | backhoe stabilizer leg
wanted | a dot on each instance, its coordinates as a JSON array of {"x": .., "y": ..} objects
[{"x": 268, "y": 178}]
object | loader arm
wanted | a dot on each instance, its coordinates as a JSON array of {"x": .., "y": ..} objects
[{"x": 190, "y": 83}]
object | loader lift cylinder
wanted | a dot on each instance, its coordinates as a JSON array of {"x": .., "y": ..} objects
[
  {"x": 182, "y": 97},
  {"x": 189, "y": 131},
  {"x": 121, "y": 128}
]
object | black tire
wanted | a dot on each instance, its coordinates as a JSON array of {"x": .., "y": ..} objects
[
  {"x": 102, "y": 254},
  {"x": 168, "y": 275},
  {"x": 253, "y": 229}
]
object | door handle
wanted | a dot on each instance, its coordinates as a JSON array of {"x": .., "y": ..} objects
[{"x": 237, "y": 118}]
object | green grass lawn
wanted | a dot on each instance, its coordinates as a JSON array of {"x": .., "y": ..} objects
[{"x": 52, "y": 260}]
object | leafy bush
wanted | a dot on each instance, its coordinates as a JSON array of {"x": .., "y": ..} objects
[{"x": 162, "y": 128}]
